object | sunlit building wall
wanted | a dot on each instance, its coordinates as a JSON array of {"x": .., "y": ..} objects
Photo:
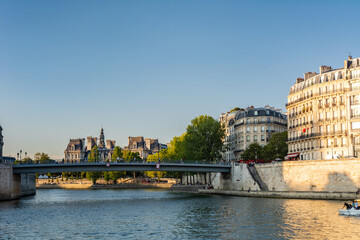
[{"x": 324, "y": 113}]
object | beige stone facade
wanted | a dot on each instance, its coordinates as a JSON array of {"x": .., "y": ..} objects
[
  {"x": 324, "y": 113},
  {"x": 144, "y": 146},
  {"x": 251, "y": 125},
  {"x": 78, "y": 151}
]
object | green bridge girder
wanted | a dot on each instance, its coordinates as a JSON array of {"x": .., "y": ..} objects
[{"x": 130, "y": 167}]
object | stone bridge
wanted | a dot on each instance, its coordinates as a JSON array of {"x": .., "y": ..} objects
[{"x": 19, "y": 180}]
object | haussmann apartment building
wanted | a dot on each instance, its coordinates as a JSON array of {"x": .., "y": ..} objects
[{"x": 324, "y": 113}]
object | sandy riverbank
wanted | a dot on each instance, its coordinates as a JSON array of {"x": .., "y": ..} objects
[{"x": 101, "y": 184}]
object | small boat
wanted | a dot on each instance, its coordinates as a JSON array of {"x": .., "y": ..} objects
[{"x": 350, "y": 210}]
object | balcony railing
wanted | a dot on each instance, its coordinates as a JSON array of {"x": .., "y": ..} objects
[
  {"x": 322, "y": 94},
  {"x": 311, "y": 135}
]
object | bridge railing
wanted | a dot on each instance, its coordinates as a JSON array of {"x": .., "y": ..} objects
[{"x": 130, "y": 162}]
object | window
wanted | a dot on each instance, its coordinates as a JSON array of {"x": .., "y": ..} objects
[
  {"x": 248, "y": 138},
  {"x": 255, "y": 113},
  {"x": 255, "y": 129},
  {"x": 247, "y": 129},
  {"x": 267, "y": 112},
  {"x": 255, "y": 138},
  {"x": 255, "y": 120},
  {"x": 262, "y": 137},
  {"x": 247, "y": 121},
  {"x": 262, "y": 129},
  {"x": 269, "y": 129},
  {"x": 268, "y": 120}
]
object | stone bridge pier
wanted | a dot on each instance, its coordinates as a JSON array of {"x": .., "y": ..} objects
[{"x": 14, "y": 186}]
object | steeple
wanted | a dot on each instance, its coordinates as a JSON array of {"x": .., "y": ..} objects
[{"x": 102, "y": 139}]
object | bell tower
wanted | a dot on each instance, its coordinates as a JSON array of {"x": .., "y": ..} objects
[{"x": 102, "y": 139}]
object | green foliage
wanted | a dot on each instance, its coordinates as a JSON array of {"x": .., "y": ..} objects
[
  {"x": 162, "y": 155},
  {"x": 41, "y": 157},
  {"x": 106, "y": 176},
  {"x": 129, "y": 156},
  {"x": 94, "y": 155},
  {"x": 203, "y": 139},
  {"x": 252, "y": 152},
  {"x": 93, "y": 176},
  {"x": 277, "y": 147},
  {"x": 115, "y": 175},
  {"x": 117, "y": 154}
]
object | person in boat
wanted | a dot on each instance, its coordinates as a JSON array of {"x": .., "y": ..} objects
[
  {"x": 347, "y": 205},
  {"x": 356, "y": 205}
]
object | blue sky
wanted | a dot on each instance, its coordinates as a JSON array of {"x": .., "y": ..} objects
[{"x": 149, "y": 67}]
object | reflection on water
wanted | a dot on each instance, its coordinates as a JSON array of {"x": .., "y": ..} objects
[{"x": 152, "y": 214}]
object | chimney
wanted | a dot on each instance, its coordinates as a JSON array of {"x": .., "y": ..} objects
[
  {"x": 309, "y": 75},
  {"x": 324, "y": 69},
  {"x": 299, "y": 80}
]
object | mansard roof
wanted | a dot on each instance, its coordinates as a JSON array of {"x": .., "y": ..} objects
[
  {"x": 77, "y": 143},
  {"x": 258, "y": 112}
]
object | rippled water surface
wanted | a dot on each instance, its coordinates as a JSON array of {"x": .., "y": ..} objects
[{"x": 152, "y": 214}]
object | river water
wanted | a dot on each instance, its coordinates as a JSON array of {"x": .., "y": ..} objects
[{"x": 159, "y": 214}]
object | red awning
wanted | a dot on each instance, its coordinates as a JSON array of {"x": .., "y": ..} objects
[{"x": 292, "y": 155}]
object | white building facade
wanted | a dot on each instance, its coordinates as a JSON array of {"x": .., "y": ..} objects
[
  {"x": 250, "y": 125},
  {"x": 324, "y": 113}
]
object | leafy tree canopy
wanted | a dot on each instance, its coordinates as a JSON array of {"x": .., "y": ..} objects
[
  {"x": 203, "y": 139},
  {"x": 129, "y": 156},
  {"x": 41, "y": 157},
  {"x": 277, "y": 147},
  {"x": 252, "y": 152},
  {"x": 94, "y": 155},
  {"x": 117, "y": 154}
]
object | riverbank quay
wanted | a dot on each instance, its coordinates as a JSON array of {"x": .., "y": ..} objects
[
  {"x": 131, "y": 186},
  {"x": 187, "y": 188},
  {"x": 291, "y": 195},
  {"x": 103, "y": 186}
]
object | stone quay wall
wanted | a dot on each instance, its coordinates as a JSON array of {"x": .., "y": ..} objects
[
  {"x": 327, "y": 176},
  {"x": 14, "y": 186}
]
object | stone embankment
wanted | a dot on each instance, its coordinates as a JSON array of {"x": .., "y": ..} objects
[
  {"x": 293, "y": 195},
  {"x": 187, "y": 188}
]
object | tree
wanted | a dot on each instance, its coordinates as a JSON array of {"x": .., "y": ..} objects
[
  {"x": 41, "y": 157},
  {"x": 203, "y": 139},
  {"x": 129, "y": 156},
  {"x": 117, "y": 154},
  {"x": 115, "y": 175},
  {"x": 252, "y": 152},
  {"x": 162, "y": 155},
  {"x": 277, "y": 147},
  {"x": 94, "y": 155}
]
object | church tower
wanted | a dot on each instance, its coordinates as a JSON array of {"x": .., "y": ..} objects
[{"x": 102, "y": 139}]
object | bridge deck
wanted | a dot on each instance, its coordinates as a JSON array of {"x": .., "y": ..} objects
[{"x": 131, "y": 167}]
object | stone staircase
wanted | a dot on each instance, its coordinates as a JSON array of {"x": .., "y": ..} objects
[{"x": 255, "y": 175}]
